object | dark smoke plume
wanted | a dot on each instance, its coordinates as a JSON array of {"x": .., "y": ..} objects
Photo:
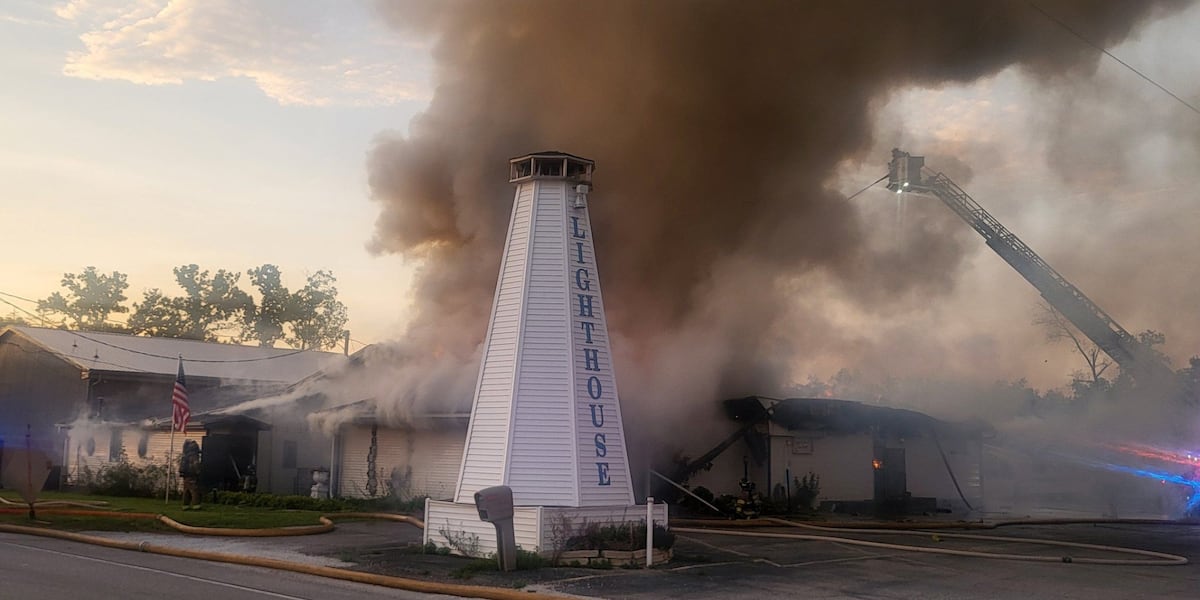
[{"x": 717, "y": 128}]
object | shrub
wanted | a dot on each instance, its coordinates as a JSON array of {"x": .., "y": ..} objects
[
  {"x": 806, "y": 490},
  {"x": 280, "y": 502},
  {"x": 262, "y": 500},
  {"x": 625, "y": 536},
  {"x": 393, "y": 504},
  {"x": 124, "y": 479}
]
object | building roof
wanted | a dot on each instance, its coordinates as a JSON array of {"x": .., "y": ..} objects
[
  {"x": 841, "y": 416},
  {"x": 121, "y": 353},
  {"x": 554, "y": 153},
  {"x": 367, "y": 412}
]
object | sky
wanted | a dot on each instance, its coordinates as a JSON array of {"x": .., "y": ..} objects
[{"x": 139, "y": 136}]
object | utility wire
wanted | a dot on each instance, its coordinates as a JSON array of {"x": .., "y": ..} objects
[
  {"x": 191, "y": 360},
  {"x": 44, "y": 319},
  {"x": 22, "y": 348},
  {"x": 17, "y": 297},
  {"x": 1085, "y": 40},
  {"x": 153, "y": 355},
  {"x": 855, "y": 194},
  {"x": 38, "y": 317}
]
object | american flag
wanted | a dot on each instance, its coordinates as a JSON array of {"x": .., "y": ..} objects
[{"x": 179, "y": 402}]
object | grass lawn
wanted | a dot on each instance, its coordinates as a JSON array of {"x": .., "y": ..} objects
[{"x": 212, "y": 515}]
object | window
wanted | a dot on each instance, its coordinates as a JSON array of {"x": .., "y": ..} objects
[
  {"x": 549, "y": 167},
  {"x": 289, "y": 454},
  {"x": 578, "y": 170},
  {"x": 114, "y": 445},
  {"x": 522, "y": 169},
  {"x": 143, "y": 445}
]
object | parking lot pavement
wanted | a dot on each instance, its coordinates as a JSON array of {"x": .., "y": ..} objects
[
  {"x": 715, "y": 566},
  {"x": 710, "y": 565}
]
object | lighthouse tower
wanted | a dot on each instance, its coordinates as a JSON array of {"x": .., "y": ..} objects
[{"x": 546, "y": 418}]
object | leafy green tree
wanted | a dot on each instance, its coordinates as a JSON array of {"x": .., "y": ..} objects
[
  {"x": 157, "y": 315},
  {"x": 310, "y": 318},
  {"x": 91, "y": 298},
  {"x": 264, "y": 322},
  {"x": 319, "y": 319},
  {"x": 210, "y": 303}
]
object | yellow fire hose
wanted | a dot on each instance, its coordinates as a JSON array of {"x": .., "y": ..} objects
[
  {"x": 415, "y": 585},
  {"x": 325, "y": 526},
  {"x": 51, "y": 503}
]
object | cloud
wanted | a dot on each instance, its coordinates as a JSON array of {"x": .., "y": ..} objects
[{"x": 305, "y": 54}]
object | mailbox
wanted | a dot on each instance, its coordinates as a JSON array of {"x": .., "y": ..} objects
[
  {"x": 494, "y": 503},
  {"x": 495, "y": 506}
]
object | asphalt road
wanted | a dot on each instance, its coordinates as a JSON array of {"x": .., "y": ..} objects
[{"x": 48, "y": 569}]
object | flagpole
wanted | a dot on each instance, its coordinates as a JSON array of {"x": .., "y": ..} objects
[
  {"x": 170, "y": 451},
  {"x": 182, "y": 426}
]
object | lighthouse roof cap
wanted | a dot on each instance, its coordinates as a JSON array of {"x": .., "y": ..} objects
[{"x": 552, "y": 154}]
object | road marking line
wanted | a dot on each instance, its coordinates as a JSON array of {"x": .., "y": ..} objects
[
  {"x": 141, "y": 568},
  {"x": 838, "y": 560},
  {"x": 703, "y": 565},
  {"x": 735, "y": 552}
]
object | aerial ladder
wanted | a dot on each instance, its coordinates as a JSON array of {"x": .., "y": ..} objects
[{"x": 907, "y": 174}]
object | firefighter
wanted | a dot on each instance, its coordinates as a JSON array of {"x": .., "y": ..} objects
[{"x": 189, "y": 472}]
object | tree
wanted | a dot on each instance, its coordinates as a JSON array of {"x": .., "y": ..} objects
[
  {"x": 311, "y": 318},
  {"x": 209, "y": 304},
  {"x": 1057, "y": 329},
  {"x": 157, "y": 315},
  {"x": 1150, "y": 341},
  {"x": 1191, "y": 381},
  {"x": 319, "y": 319},
  {"x": 13, "y": 319},
  {"x": 91, "y": 298},
  {"x": 264, "y": 322}
]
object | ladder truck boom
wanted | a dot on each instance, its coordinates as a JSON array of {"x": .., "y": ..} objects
[{"x": 906, "y": 173}]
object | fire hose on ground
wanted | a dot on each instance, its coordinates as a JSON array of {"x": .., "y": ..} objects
[
  {"x": 55, "y": 503},
  {"x": 326, "y": 522},
  {"x": 415, "y": 585},
  {"x": 1154, "y": 558}
]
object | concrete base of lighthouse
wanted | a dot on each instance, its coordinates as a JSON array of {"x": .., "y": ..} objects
[{"x": 541, "y": 529}]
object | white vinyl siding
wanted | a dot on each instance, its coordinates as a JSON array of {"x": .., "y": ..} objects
[
  {"x": 352, "y": 463},
  {"x": 457, "y": 526},
  {"x": 541, "y": 467},
  {"x": 484, "y": 457},
  {"x": 157, "y": 444},
  {"x": 619, "y": 489},
  {"x": 425, "y": 461},
  {"x": 531, "y": 425},
  {"x": 841, "y": 461}
]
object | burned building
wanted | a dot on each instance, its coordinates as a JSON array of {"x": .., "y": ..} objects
[
  {"x": 88, "y": 398},
  {"x": 865, "y": 457}
]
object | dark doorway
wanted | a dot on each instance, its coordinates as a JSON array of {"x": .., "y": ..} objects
[
  {"x": 230, "y": 446},
  {"x": 891, "y": 484},
  {"x": 225, "y": 458}
]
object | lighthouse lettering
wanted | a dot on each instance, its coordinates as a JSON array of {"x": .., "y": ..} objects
[{"x": 590, "y": 351}]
